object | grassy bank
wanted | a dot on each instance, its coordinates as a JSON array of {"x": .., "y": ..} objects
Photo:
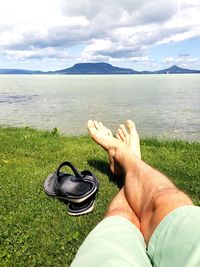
[{"x": 35, "y": 229}]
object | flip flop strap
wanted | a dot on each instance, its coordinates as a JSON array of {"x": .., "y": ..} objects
[{"x": 68, "y": 164}]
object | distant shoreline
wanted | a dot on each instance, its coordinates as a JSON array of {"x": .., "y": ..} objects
[
  {"x": 99, "y": 69},
  {"x": 96, "y": 74}
]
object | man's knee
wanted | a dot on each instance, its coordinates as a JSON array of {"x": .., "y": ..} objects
[
  {"x": 163, "y": 202},
  {"x": 124, "y": 213},
  {"x": 169, "y": 199}
]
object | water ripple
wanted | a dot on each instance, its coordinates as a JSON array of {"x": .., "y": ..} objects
[{"x": 10, "y": 99}]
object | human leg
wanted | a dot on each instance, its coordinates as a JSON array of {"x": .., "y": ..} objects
[
  {"x": 175, "y": 241},
  {"x": 119, "y": 205},
  {"x": 154, "y": 196},
  {"x": 116, "y": 240},
  {"x": 150, "y": 194}
]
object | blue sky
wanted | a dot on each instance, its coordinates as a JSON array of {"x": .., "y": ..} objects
[{"x": 139, "y": 34}]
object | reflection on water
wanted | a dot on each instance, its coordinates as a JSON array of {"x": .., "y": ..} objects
[
  {"x": 161, "y": 105},
  {"x": 13, "y": 99}
]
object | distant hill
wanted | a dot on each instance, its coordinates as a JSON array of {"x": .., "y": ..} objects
[
  {"x": 99, "y": 68},
  {"x": 175, "y": 70},
  {"x": 94, "y": 68},
  {"x": 19, "y": 71}
]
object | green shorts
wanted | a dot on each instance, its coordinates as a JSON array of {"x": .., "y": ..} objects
[{"x": 115, "y": 241}]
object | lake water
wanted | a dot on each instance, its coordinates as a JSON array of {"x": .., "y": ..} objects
[{"x": 160, "y": 105}]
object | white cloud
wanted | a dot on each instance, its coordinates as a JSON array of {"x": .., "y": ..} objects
[
  {"x": 110, "y": 30},
  {"x": 38, "y": 53},
  {"x": 185, "y": 61}
]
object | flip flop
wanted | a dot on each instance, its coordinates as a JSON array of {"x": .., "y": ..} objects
[
  {"x": 74, "y": 188},
  {"x": 88, "y": 175},
  {"x": 49, "y": 185},
  {"x": 84, "y": 207}
]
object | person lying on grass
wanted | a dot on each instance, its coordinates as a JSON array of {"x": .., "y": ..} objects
[{"x": 150, "y": 222}]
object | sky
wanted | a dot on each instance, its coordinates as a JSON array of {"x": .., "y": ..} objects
[{"x": 137, "y": 34}]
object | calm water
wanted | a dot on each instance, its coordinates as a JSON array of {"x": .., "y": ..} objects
[{"x": 160, "y": 105}]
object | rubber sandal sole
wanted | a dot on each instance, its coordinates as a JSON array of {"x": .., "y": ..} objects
[{"x": 80, "y": 209}]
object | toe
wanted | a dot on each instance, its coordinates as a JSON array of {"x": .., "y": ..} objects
[
  {"x": 118, "y": 136},
  {"x": 121, "y": 134},
  {"x": 104, "y": 130},
  {"x": 131, "y": 126},
  {"x": 101, "y": 126},
  {"x": 123, "y": 129},
  {"x": 97, "y": 125},
  {"x": 90, "y": 125}
]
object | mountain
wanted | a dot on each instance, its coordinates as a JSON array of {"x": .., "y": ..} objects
[
  {"x": 99, "y": 68},
  {"x": 176, "y": 70},
  {"x": 19, "y": 71},
  {"x": 94, "y": 68}
]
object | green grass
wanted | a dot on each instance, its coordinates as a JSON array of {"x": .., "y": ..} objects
[{"x": 35, "y": 230}]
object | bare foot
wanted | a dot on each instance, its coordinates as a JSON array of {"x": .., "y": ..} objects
[
  {"x": 119, "y": 154},
  {"x": 130, "y": 138},
  {"x": 103, "y": 136}
]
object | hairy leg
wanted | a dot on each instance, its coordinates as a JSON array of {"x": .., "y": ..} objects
[
  {"x": 150, "y": 194},
  {"x": 119, "y": 205}
]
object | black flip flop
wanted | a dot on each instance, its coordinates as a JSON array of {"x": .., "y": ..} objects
[
  {"x": 84, "y": 207},
  {"x": 88, "y": 175},
  {"x": 74, "y": 188}
]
